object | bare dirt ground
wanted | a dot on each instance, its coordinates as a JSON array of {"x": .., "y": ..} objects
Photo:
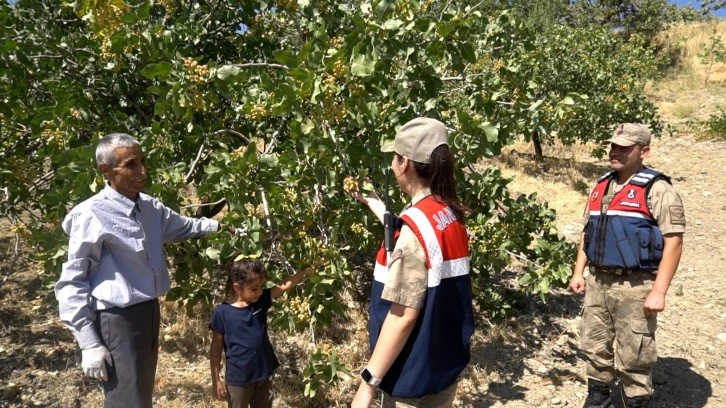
[{"x": 531, "y": 360}]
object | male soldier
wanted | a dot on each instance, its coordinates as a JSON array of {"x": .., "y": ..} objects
[{"x": 633, "y": 242}]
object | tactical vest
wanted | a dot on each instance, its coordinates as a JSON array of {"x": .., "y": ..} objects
[
  {"x": 437, "y": 351},
  {"x": 624, "y": 233}
]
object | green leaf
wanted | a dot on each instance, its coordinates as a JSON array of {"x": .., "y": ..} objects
[
  {"x": 227, "y": 71},
  {"x": 299, "y": 74},
  {"x": 308, "y": 126},
  {"x": 567, "y": 100},
  {"x": 286, "y": 57},
  {"x": 362, "y": 66},
  {"x": 212, "y": 253},
  {"x": 430, "y": 104},
  {"x": 9, "y": 45},
  {"x": 491, "y": 132},
  {"x": 143, "y": 11},
  {"x": 152, "y": 71},
  {"x": 174, "y": 293},
  {"x": 467, "y": 52},
  {"x": 118, "y": 41},
  {"x": 269, "y": 159},
  {"x": 392, "y": 24},
  {"x": 130, "y": 18}
]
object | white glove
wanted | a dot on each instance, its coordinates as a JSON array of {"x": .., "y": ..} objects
[{"x": 92, "y": 362}]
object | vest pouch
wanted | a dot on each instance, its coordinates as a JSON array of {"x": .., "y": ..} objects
[
  {"x": 644, "y": 245},
  {"x": 656, "y": 243},
  {"x": 627, "y": 251}
]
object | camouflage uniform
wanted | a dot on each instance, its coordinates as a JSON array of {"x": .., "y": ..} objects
[{"x": 614, "y": 323}]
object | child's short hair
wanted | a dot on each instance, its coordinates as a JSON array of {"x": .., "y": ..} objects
[{"x": 244, "y": 271}]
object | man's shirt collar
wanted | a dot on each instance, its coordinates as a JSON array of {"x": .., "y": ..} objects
[{"x": 124, "y": 203}]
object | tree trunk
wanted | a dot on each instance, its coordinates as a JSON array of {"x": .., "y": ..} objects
[{"x": 537, "y": 145}]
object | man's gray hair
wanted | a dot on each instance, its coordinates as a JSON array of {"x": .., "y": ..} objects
[{"x": 105, "y": 151}]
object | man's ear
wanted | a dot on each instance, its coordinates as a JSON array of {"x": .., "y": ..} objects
[
  {"x": 105, "y": 169},
  {"x": 644, "y": 151}
]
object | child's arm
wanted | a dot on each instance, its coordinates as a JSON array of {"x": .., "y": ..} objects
[
  {"x": 289, "y": 283},
  {"x": 215, "y": 359}
]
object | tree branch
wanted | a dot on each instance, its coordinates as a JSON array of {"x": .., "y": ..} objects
[
  {"x": 273, "y": 139},
  {"x": 232, "y": 132},
  {"x": 260, "y": 65},
  {"x": 202, "y": 204},
  {"x": 331, "y": 132},
  {"x": 43, "y": 179},
  {"x": 524, "y": 258},
  {"x": 188, "y": 177}
]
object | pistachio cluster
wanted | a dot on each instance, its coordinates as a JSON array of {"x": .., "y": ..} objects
[
  {"x": 255, "y": 211},
  {"x": 198, "y": 74},
  {"x": 109, "y": 17},
  {"x": 350, "y": 184},
  {"x": 358, "y": 229},
  {"x": 237, "y": 153},
  {"x": 300, "y": 308},
  {"x": 20, "y": 229},
  {"x": 289, "y": 195},
  {"x": 326, "y": 349},
  {"x": 258, "y": 112},
  {"x": 76, "y": 113},
  {"x": 340, "y": 68},
  {"x": 53, "y": 136}
]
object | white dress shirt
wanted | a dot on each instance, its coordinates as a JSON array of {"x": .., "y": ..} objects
[{"x": 116, "y": 256}]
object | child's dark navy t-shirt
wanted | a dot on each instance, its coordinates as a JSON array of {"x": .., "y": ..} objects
[{"x": 250, "y": 357}]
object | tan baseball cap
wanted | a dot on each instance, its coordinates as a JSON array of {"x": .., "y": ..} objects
[
  {"x": 417, "y": 139},
  {"x": 628, "y": 134}
]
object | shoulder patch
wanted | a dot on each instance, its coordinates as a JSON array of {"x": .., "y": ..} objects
[
  {"x": 395, "y": 256},
  {"x": 677, "y": 214}
]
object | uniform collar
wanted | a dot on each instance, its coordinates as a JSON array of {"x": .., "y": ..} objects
[
  {"x": 425, "y": 192},
  {"x": 126, "y": 204}
]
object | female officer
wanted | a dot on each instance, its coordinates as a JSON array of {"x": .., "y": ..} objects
[{"x": 421, "y": 315}]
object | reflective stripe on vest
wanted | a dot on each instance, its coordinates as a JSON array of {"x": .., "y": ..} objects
[{"x": 626, "y": 235}]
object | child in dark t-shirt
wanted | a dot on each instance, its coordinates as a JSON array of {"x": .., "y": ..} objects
[{"x": 239, "y": 327}]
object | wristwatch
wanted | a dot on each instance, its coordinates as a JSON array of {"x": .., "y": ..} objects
[{"x": 369, "y": 378}]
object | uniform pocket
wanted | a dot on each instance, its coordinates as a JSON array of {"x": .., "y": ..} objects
[{"x": 641, "y": 349}]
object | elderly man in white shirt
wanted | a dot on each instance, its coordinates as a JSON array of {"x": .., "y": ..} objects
[{"x": 116, "y": 270}]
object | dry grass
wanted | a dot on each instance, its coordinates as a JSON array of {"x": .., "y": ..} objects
[
  {"x": 562, "y": 178},
  {"x": 683, "y": 94},
  {"x": 686, "y": 41}
]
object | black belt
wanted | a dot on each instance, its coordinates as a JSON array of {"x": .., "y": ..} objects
[{"x": 620, "y": 271}]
